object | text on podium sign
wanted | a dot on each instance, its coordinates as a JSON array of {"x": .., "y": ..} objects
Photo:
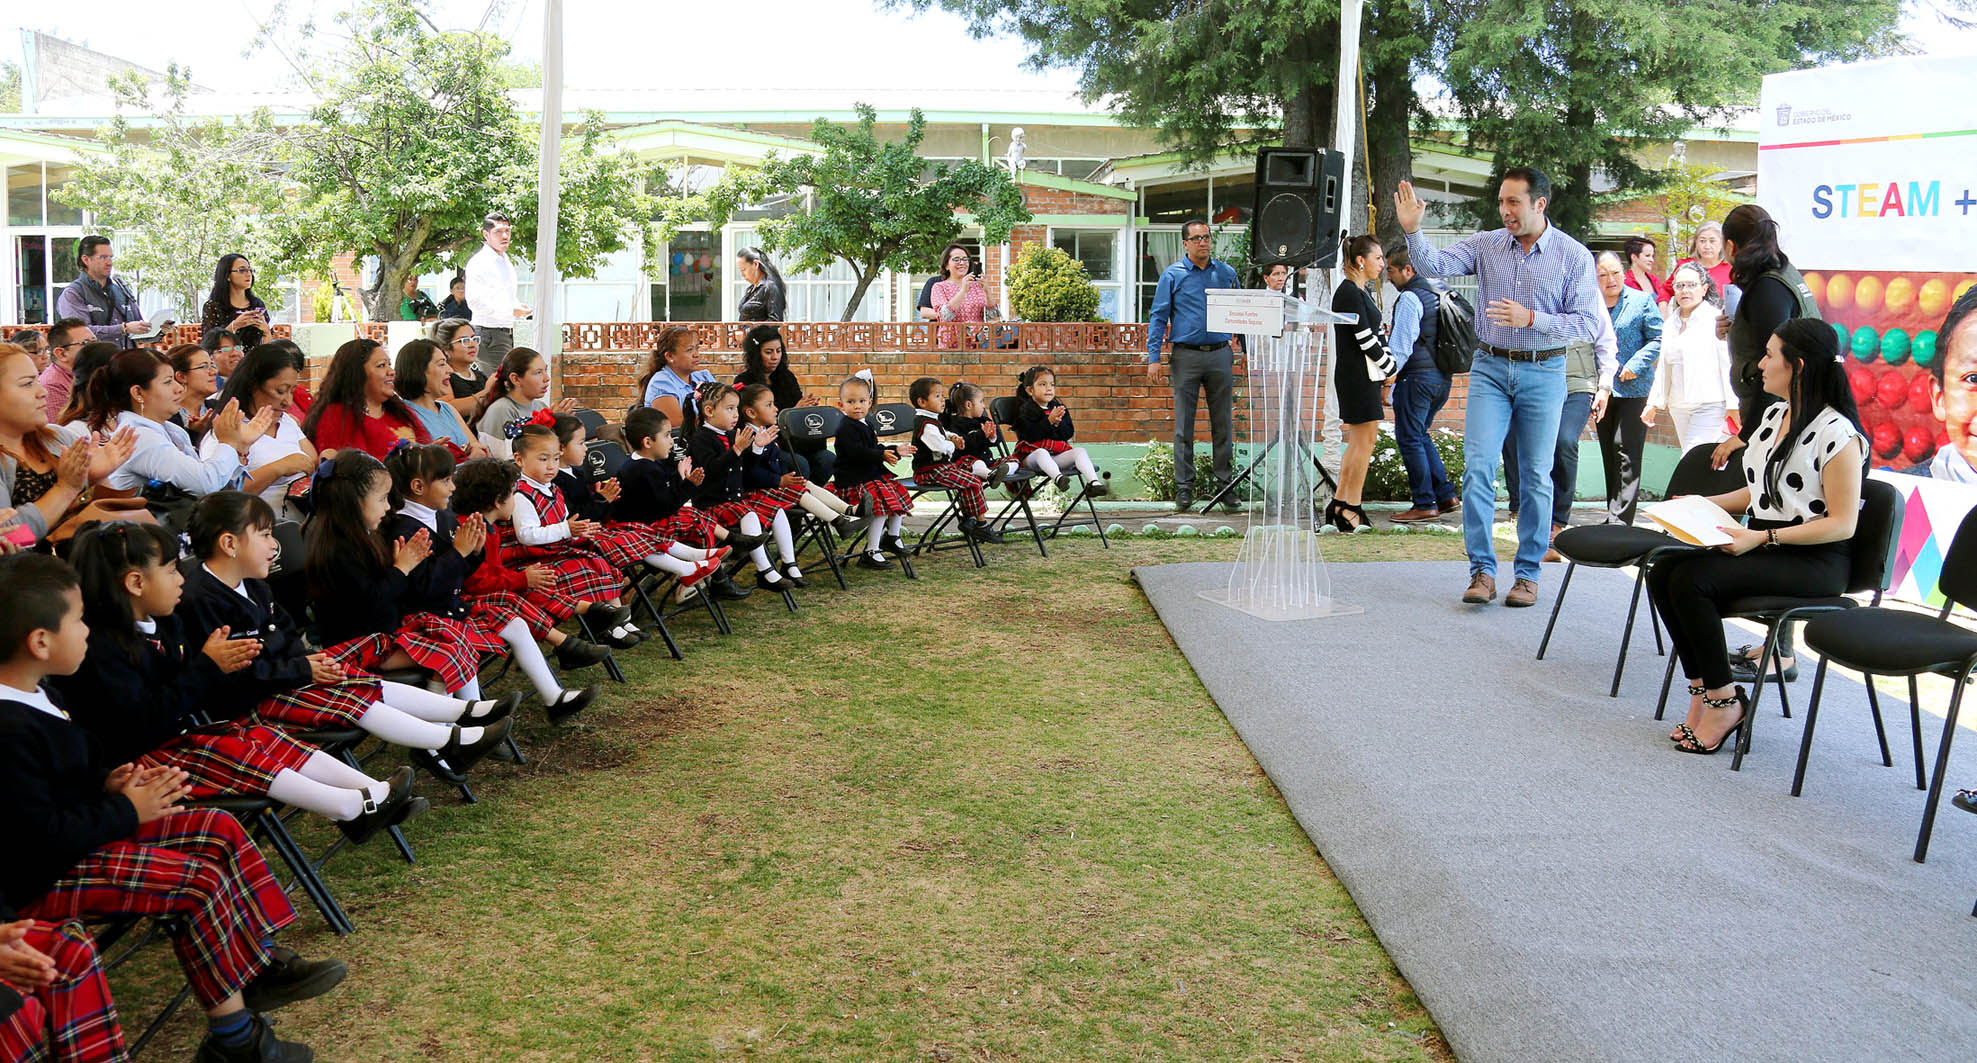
[{"x": 1248, "y": 311}]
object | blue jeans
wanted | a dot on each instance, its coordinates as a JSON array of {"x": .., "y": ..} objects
[
  {"x": 1417, "y": 397},
  {"x": 1572, "y": 420},
  {"x": 1520, "y": 400}
]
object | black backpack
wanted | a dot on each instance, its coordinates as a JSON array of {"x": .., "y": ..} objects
[{"x": 1455, "y": 332}]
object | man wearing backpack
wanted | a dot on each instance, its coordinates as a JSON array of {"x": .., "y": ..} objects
[{"x": 1420, "y": 390}]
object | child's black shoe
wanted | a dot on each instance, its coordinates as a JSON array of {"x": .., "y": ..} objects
[
  {"x": 575, "y": 653},
  {"x": 572, "y": 702},
  {"x": 873, "y": 560}
]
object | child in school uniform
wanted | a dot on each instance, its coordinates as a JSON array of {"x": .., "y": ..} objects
[
  {"x": 939, "y": 462},
  {"x": 291, "y": 685},
  {"x": 422, "y": 487},
  {"x": 861, "y": 475},
  {"x": 1044, "y": 430},
  {"x": 143, "y": 689},
  {"x": 627, "y": 539},
  {"x": 770, "y": 469},
  {"x": 655, "y": 489},
  {"x": 716, "y": 446},
  {"x": 54, "y": 999},
  {"x": 966, "y": 414},
  {"x": 547, "y": 529},
  {"x": 84, "y": 838}
]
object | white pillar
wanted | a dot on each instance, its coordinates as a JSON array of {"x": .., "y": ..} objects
[
  {"x": 548, "y": 312},
  {"x": 1345, "y": 123}
]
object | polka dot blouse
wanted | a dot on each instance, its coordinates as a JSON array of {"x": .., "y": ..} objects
[{"x": 1800, "y": 494}]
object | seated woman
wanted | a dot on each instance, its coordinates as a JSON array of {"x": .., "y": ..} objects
[
  {"x": 466, "y": 379},
  {"x": 44, "y": 471},
  {"x": 280, "y": 462},
  {"x": 138, "y": 390},
  {"x": 198, "y": 380},
  {"x": 420, "y": 374},
  {"x": 357, "y": 407},
  {"x": 298, "y": 398},
  {"x": 519, "y": 388},
  {"x": 673, "y": 374},
  {"x": 1804, "y": 470},
  {"x": 765, "y": 361}
]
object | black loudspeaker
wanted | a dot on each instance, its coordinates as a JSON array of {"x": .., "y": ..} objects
[{"x": 1299, "y": 201}]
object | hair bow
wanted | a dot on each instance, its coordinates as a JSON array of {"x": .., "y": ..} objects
[
  {"x": 513, "y": 429},
  {"x": 545, "y": 417},
  {"x": 401, "y": 444},
  {"x": 324, "y": 471}
]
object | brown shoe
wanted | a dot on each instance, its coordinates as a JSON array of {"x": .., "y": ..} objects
[
  {"x": 1482, "y": 589},
  {"x": 1416, "y": 516},
  {"x": 1523, "y": 594},
  {"x": 1553, "y": 555},
  {"x": 1451, "y": 505}
]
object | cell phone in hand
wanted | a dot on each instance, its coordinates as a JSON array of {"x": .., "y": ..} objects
[{"x": 19, "y": 534}]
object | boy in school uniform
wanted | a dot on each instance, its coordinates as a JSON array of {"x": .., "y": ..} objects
[{"x": 85, "y": 839}]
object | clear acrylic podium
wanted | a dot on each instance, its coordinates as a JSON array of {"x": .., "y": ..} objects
[{"x": 1280, "y": 573}]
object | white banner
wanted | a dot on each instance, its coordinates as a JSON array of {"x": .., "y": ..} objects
[{"x": 1873, "y": 166}]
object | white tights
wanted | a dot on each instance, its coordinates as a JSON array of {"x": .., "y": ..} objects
[
  {"x": 1046, "y": 463},
  {"x": 328, "y": 787},
  {"x": 420, "y": 719},
  {"x": 527, "y": 654},
  {"x": 881, "y": 528},
  {"x": 679, "y": 559},
  {"x": 822, "y": 504}
]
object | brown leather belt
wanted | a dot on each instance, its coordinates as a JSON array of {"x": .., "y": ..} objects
[{"x": 1524, "y": 356}]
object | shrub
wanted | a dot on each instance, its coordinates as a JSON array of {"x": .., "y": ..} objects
[
  {"x": 1386, "y": 475},
  {"x": 1046, "y": 284},
  {"x": 1155, "y": 471}
]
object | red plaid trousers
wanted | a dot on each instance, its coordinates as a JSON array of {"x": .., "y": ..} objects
[{"x": 72, "y": 1019}]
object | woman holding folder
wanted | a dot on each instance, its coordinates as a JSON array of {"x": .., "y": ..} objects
[{"x": 1803, "y": 474}]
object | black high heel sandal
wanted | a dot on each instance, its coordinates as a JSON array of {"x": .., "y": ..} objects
[
  {"x": 1334, "y": 517},
  {"x": 1694, "y": 691},
  {"x": 1691, "y": 744},
  {"x": 1356, "y": 511}
]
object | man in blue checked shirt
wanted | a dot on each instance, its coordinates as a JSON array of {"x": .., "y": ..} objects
[
  {"x": 1538, "y": 295},
  {"x": 1201, "y": 359}
]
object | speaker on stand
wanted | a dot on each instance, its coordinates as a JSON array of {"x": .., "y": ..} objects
[{"x": 1298, "y": 209}]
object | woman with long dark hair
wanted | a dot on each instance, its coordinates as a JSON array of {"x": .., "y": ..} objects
[
  {"x": 279, "y": 463},
  {"x": 232, "y": 304},
  {"x": 357, "y": 405},
  {"x": 138, "y": 390},
  {"x": 1804, "y": 472},
  {"x": 1770, "y": 293},
  {"x": 765, "y": 361},
  {"x": 766, "y": 298},
  {"x": 1360, "y": 366},
  {"x": 420, "y": 373}
]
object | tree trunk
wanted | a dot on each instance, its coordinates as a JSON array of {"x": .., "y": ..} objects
[
  {"x": 1389, "y": 147},
  {"x": 1308, "y": 114},
  {"x": 865, "y": 277}
]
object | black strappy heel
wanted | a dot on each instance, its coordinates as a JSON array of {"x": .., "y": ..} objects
[
  {"x": 1690, "y": 744},
  {"x": 1697, "y": 690}
]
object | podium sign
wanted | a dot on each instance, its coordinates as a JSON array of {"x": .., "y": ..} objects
[{"x": 1249, "y": 311}]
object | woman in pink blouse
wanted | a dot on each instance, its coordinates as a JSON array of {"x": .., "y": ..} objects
[{"x": 961, "y": 295}]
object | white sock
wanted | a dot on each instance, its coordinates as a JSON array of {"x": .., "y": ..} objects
[
  {"x": 402, "y": 728},
  {"x": 872, "y": 535},
  {"x": 335, "y": 802},
  {"x": 895, "y": 524},
  {"x": 421, "y": 703},
  {"x": 669, "y": 563},
  {"x": 687, "y": 553},
  {"x": 980, "y": 468},
  {"x": 529, "y": 656},
  {"x": 470, "y": 691},
  {"x": 815, "y": 507},
  {"x": 785, "y": 545},
  {"x": 1083, "y": 461},
  {"x": 324, "y": 768},
  {"x": 1041, "y": 461},
  {"x": 829, "y": 498}
]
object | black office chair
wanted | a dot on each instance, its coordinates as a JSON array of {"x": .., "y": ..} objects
[
  {"x": 1870, "y": 565},
  {"x": 1621, "y": 545},
  {"x": 1879, "y": 641}
]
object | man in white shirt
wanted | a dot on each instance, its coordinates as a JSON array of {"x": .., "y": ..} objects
[{"x": 491, "y": 291}]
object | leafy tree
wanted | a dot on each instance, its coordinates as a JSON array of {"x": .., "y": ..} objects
[
  {"x": 1691, "y": 198},
  {"x": 1571, "y": 86},
  {"x": 872, "y": 205},
  {"x": 415, "y": 139},
  {"x": 190, "y": 191},
  {"x": 10, "y": 86},
  {"x": 1046, "y": 284}
]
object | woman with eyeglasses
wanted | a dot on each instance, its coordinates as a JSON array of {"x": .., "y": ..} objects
[
  {"x": 961, "y": 295},
  {"x": 1693, "y": 380},
  {"x": 198, "y": 381},
  {"x": 466, "y": 381},
  {"x": 232, "y": 304}
]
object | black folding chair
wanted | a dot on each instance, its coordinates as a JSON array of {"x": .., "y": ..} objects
[
  {"x": 602, "y": 459},
  {"x": 109, "y": 934},
  {"x": 1019, "y": 480},
  {"x": 1870, "y": 563},
  {"x": 592, "y": 421},
  {"x": 1879, "y": 641},
  {"x": 1621, "y": 545},
  {"x": 815, "y": 424},
  {"x": 1003, "y": 409},
  {"x": 898, "y": 419}
]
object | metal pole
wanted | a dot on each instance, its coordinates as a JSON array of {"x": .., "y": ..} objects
[
  {"x": 1345, "y": 124},
  {"x": 548, "y": 312}
]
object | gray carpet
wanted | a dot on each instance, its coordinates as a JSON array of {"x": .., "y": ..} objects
[{"x": 1557, "y": 882}]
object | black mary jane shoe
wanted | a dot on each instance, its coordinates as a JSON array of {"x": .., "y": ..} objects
[
  {"x": 377, "y": 815},
  {"x": 1691, "y": 744},
  {"x": 891, "y": 544},
  {"x": 795, "y": 577},
  {"x": 459, "y": 757},
  {"x": 874, "y": 561},
  {"x": 572, "y": 702},
  {"x": 501, "y": 708},
  {"x": 776, "y": 585}
]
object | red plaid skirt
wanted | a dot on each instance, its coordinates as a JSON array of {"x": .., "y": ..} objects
[
  {"x": 73, "y": 1015},
  {"x": 780, "y": 497},
  {"x": 885, "y": 495},
  {"x": 197, "y": 865},
  {"x": 240, "y": 760},
  {"x": 449, "y": 649},
  {"x": 323, "y": 706},
  {"x": 494, "y": 610},
  {"x": 1024, "y": 450},
  {"x": 625, "y": 545},
  {"x": 581, "y": 574},
  {"x": 955, "y": 477}
]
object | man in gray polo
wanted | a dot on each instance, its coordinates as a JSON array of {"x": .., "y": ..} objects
[
  {"x": 99, "y": 300},
  {"x": 1201, "y": 359}
]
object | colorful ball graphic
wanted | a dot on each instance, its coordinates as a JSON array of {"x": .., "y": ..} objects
[
  {"x": 1934, "y": 298},
  {"x": 1960, "y": 289},
  {"x": 1923, "y": 350},
  {"x": 1867, "y": 294},
  {"x": 1894, "y": 346},
  {"x": 1899, "y": 296},
  {"x": 1917, "y": 444},
  {"x": 1866, "y": 345},
  {"x": 1839, "y": 292},
  {"x": 1862, "y": 383},
  {"x": 1887, "y": 439},
  {"x": 1816, "y": 284},
  {"x": 1845, "y": 336},
  {"x": 1918, "y": 391},
  {"x": 1892, "y": 390}
]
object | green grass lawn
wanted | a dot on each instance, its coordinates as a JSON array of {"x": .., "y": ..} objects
[{"x": 990, "y": 815}]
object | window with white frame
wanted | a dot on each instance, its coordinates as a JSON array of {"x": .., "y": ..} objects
[
  {"x": 820, "y": 295},
  {"x": 1098, "y": 249}
]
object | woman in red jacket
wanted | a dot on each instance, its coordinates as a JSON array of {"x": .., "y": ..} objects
[{"x": 358, "y": 407}]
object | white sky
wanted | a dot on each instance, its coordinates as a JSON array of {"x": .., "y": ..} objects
[{"x": 771, "y": 43}]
